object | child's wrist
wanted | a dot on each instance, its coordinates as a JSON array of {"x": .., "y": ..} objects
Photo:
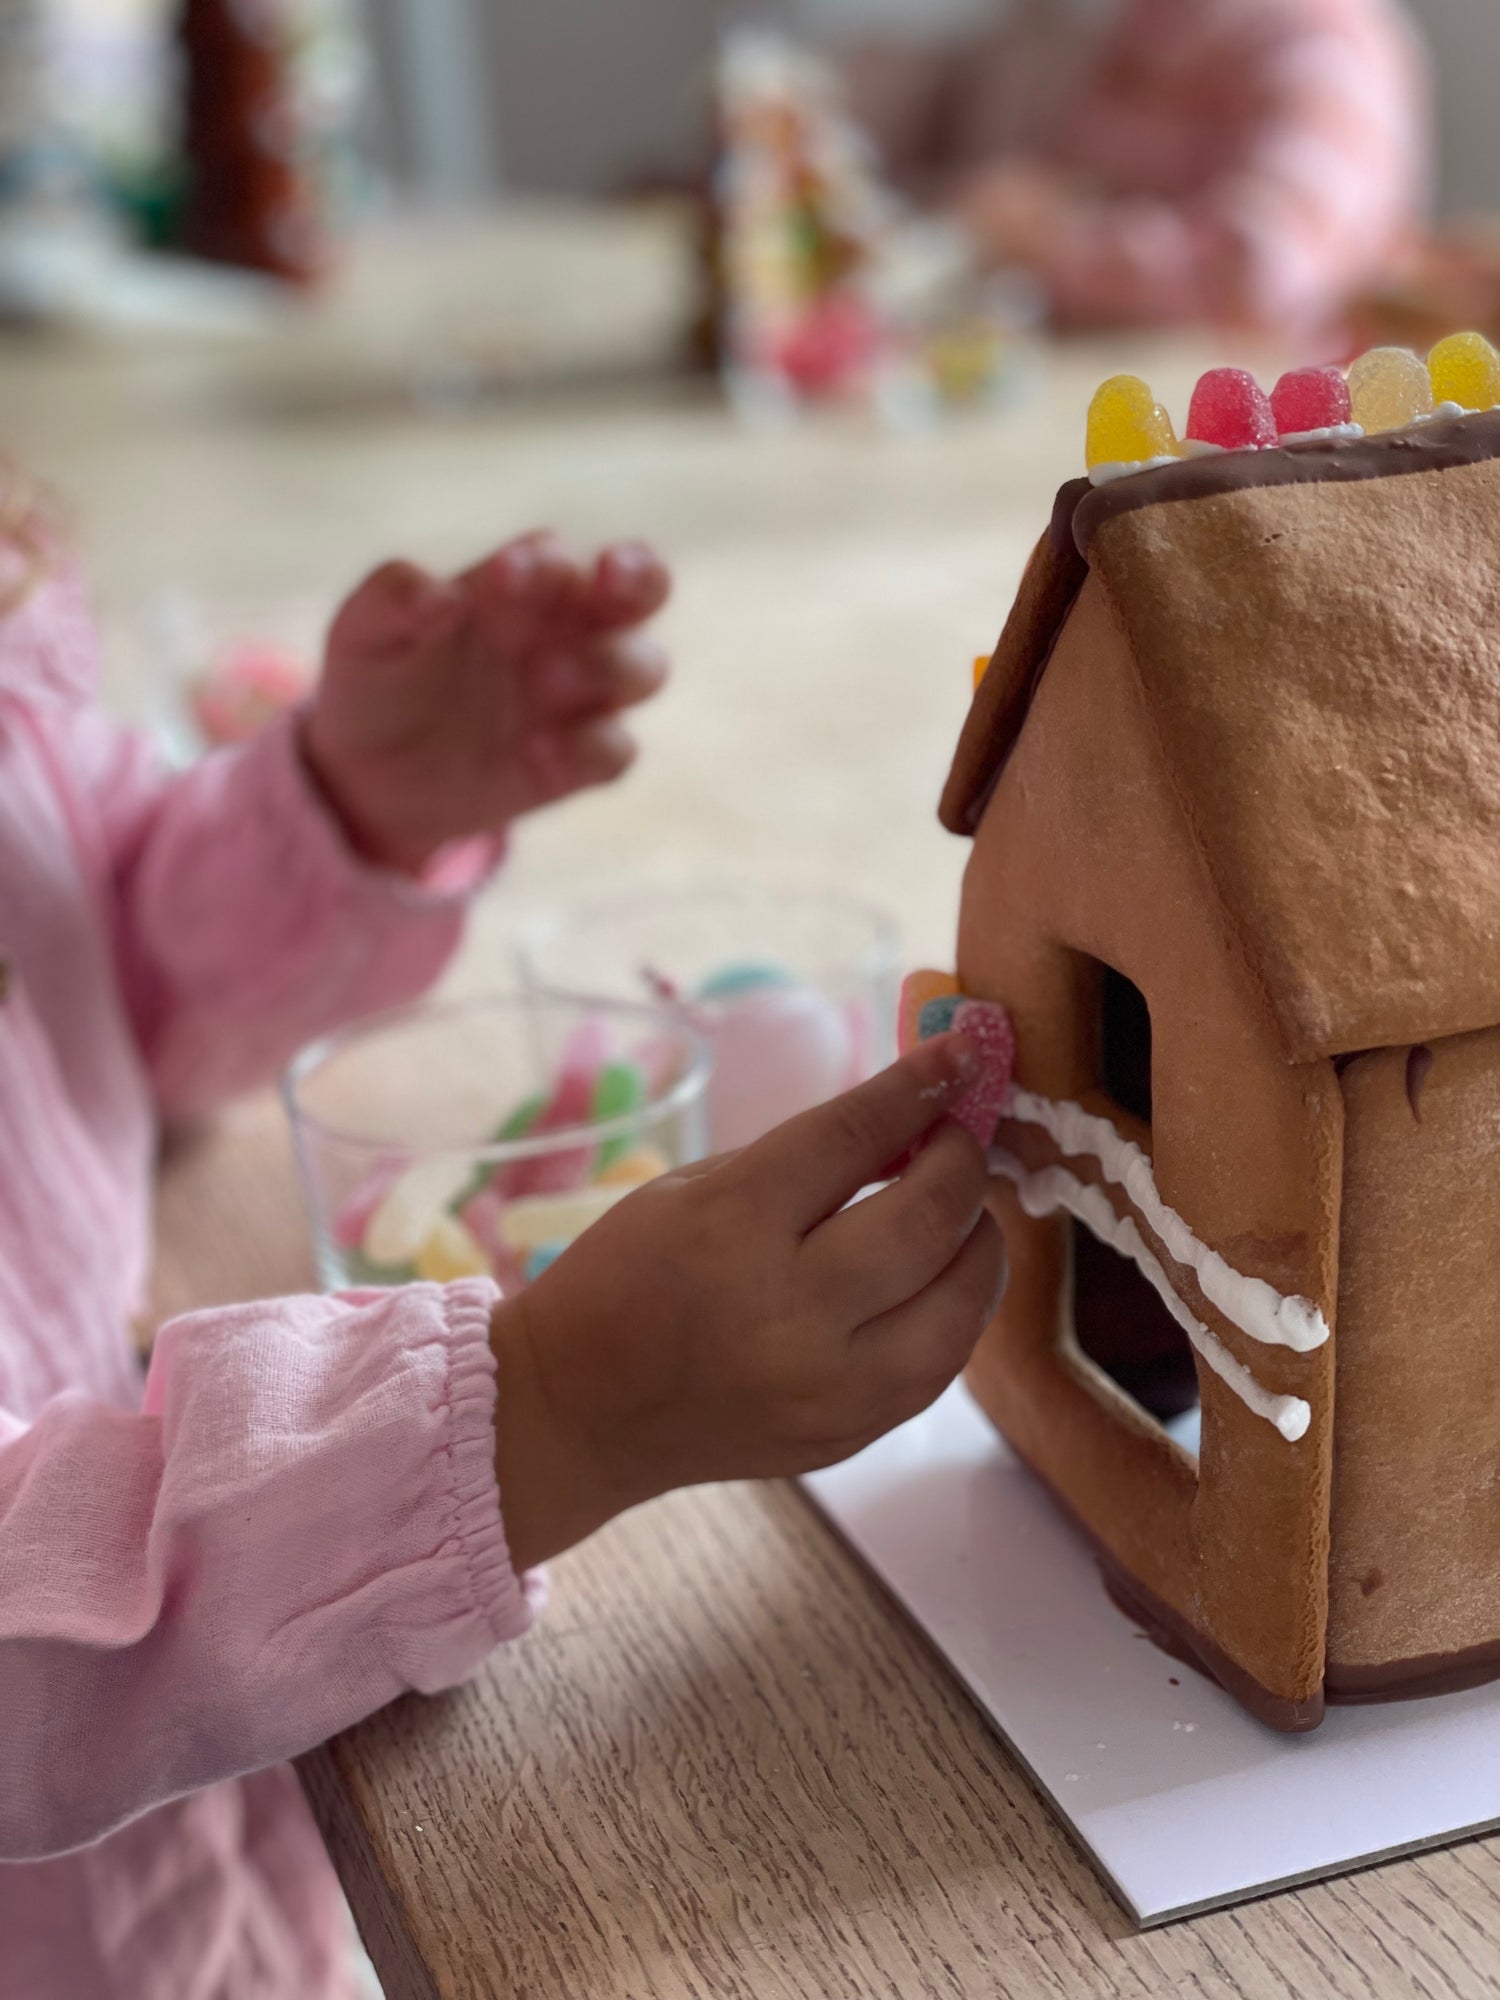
[
  {"x": 554, "y": 1489},
  {"x": 366, "y": 833}
]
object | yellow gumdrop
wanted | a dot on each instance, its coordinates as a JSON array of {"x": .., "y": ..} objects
[
  {"x": 1388, "y": 388},
  {"x": 981, "y": 666},
  {"x": 634, "y": 1169},
  {"x": 451, "y": 1252},
  {"x": 1465, "y": 369},
  {"x": 1127, "y": 424}
]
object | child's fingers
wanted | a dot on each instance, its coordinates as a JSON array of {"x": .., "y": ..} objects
[
  {"x": 915, "y": 1350},
  {"x": 397, "y": 606},
  {"x": 815, "y": 1163},
  {"x": 536, "y": 573},
  {"x": 885, "y": 1250},
  {"x": 619, "y": 670},
  {"x": 595, "y": 752},
  {"x": 630, "y": 583}
]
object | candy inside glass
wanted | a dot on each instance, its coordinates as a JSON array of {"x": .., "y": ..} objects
[
  {"x": 794, "y": 990},
  {"x": 481, "y": 1137}
]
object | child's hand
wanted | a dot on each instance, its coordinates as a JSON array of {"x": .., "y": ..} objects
[
  {"x": 450, "y": 708},
  {"x": 736, "y": 1321}
]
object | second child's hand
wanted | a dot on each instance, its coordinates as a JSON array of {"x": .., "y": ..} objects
[{"x": 738, "y": 1320}]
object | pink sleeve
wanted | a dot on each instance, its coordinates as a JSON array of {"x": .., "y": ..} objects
[
  {"x": 245, "y": 925},
  {"x": 1331, "y": 173},
  {"x": 301, "y": 1524}
]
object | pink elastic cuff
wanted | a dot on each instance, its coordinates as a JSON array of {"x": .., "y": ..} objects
[{"x": 508, "y": 1603}]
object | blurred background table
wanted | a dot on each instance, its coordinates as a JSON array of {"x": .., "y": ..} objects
[{"x": 725, "y": 1765}]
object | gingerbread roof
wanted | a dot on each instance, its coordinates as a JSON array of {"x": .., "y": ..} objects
[{"x": 1318, "y": 641}]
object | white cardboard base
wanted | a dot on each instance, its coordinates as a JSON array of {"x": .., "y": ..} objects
[{"x": 1183, "y": 1801}]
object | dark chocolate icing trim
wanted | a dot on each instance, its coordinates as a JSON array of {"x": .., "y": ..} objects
[
  {"x": 1434, "y": 447},
  {"x": 1415, "y": 1679},
  {"x": 1174, "y": 1636},
  {"x": 1070, "y": 498}
]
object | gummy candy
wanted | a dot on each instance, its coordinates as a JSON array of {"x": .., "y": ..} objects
[
  {"x": 521, "y": 1120},
  {"x": 585, "y": 1054},
  {"x": 1465, "y": 369},
  {"x": 244, "y": 688},
  {"x": 936, "y": 1018},
  {"x": 1310, "y": 399},
  {"x": 542, "y": 1219},
  {"x": 1127, "y": 425},
  {"x": 410, "y": 1210},
  {"x": 989, "y": 1026},
  {"x": 981, "y": 666},
  {"x": 916, "y": 990},
  {"x": 1230, "y": 409},
  {"x": 1389, "y": 388},
  {"x": 635, "y": 1168},
  {"x": 619, "y": 1089},
  {"x": 451, "y": 1252},
  {"x": 542, "y": 1260}
]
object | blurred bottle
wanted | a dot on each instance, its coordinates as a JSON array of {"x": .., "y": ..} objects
[{"x": 270, "y": 89}]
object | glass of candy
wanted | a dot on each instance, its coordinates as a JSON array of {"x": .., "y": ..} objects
[
  {"x": 795, "y": 991},
  {"x": 478, "y": 1138}
]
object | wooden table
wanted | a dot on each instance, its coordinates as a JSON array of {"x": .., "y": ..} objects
[{"x": 724, "y": 1765}]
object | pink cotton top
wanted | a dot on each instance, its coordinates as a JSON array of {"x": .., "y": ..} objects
[
  {"x": 1240, "y": 160},
  {"x": 297, "y": 1520}
]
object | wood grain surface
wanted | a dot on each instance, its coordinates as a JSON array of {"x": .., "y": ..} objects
[{"x": 724, "y": 1767}]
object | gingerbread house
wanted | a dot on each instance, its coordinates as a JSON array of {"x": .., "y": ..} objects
[{"x": 1232, "y": 779}]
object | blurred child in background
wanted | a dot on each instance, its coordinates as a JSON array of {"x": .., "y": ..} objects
[{"x": 1251, "y": 162}]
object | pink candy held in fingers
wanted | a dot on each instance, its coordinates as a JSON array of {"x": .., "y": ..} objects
[
  {"x": 1310, "y": 399},
  {"x": 986, "y": 1026},
  {"x": 1230, "y": 409}
]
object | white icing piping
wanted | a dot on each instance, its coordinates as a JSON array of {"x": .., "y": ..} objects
[
  {"x": 1125, "y": 468},
  {"x": 1255, "y": 1307},
  {"x": 1045, "y": 1192},
  {"x": 1328, "y": 434}
]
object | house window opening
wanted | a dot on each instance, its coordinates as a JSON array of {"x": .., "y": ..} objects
[
  {"x": 1120, "y": 1320},
  {"x": 1125, "y": 1044},
  {"x": 1122, "y": 1324}
]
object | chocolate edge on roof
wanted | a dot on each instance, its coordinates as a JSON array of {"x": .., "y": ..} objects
[
  {"x": 1059, "y": 565},
  {"x": 1415, "y": 905},
  {"x": 1436, "y": 446}
]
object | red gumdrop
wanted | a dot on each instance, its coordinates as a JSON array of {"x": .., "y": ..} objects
[
  {"x": 1310, "y": 399},
  {"x": 1229, "y": 408}
]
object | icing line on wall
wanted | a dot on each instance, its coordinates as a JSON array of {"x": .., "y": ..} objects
[
  {"x": 1052, "y": 1188},
  {"x": 1255, "y": 1307}
]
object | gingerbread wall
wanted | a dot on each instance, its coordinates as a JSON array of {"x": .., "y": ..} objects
[
  {"x": 1415, "y": 1572},
  {"x": 1086, "y": 847}
]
